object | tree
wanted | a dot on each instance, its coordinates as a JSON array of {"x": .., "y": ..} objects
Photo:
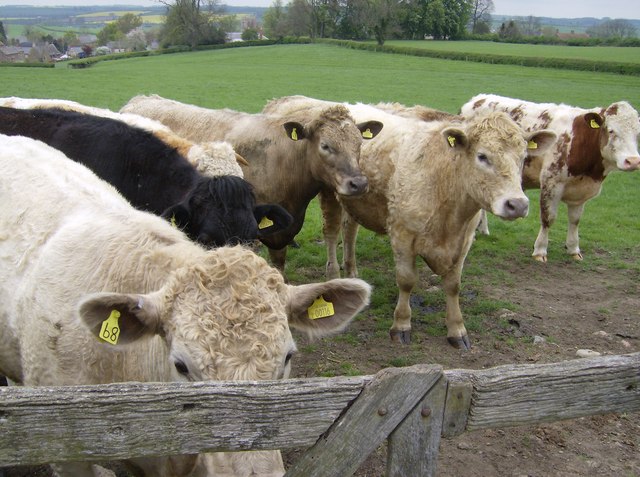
[
  {"x": 447, "y": 19},
  {"x": 136, "y": 40},
  {"x": 481, "y": 16},
  {"x": 299, "y": 18},
  {"x": 382, "y": 18},
  {"x": 530, "y": 26},
  {"x": 128, "y": 22},
  {"x": 192, "y": 22},
  {"x": 3, "y": 34},
  {"x": 109, "y": 33},
  {"x": 509, "y": 31},
  {"x": 250, "y": 34},
  {"x": 613, "y": 29},
  {"x": 275, "y": 21},
  {"x": 352, "y": 24}
]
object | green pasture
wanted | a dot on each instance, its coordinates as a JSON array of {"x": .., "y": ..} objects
[
  {"x": 246, "y": 78},
  {"x": 596, "y": 53}
]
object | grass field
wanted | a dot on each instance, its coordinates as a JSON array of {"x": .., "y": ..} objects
[
  {"x": 246, "y": 78},
  {"x": 597, "y": 53}
]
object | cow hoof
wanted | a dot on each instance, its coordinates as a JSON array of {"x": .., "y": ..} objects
[
  {"x": 540, "y": 258},
  {"x": 400, "y": 337},
  {"x": 460, "y": 342},
  {"x": 577, "y": 256}
]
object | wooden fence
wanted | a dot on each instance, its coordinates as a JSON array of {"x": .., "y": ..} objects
[{"x": 341, "y": 420}]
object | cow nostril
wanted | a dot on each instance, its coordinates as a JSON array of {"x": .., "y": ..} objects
[
  {"x": 516, "y": 208},
  {"x": 632, "y": 163},
  {"x": 358, "y": 184}
]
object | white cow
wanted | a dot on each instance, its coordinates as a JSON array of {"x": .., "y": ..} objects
[
  {"x": 212, "y": 158},
  {"x": 591, "y": 144},
  {"x": 93, "y": 291},
  {"x": 427, "y": 184}
]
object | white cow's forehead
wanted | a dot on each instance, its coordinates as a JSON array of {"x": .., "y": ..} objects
[{"x": 624, "y": 119}]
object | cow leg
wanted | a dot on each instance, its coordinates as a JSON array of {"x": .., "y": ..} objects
[
  {"x": 278, "y": 259},
  {"x": 574, "y": 213},
  {"x": 456, "y": 331},
  {"x": 331, "y": 215},
  {"x": 406, "y": 278},
  {"x": 349, "y": 238},
  {"x": 549, "y": 199}
]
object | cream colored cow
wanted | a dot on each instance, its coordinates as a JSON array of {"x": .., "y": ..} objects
[
  {"x": 428, "y": 182},
  {"x": 93, "y": 291}
]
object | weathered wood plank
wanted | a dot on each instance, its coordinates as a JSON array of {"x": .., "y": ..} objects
[
  {"x": 117, "y": 421},
  {"x": 516, "y": 395},
  {"x": 457, "y": 405},
  {"x": 414, "y": 444},
  {"x": 383, "y": 404}
]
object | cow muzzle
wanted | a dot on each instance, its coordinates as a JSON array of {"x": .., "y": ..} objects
[
  {"x": 513, "y": 208},
  {"x": 353, "y": 186},
  {"x": 631, "y": 163}
]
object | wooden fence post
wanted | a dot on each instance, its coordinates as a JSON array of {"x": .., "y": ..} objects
[
  {"x": 383, "y": 404},
  {"x": 414, "y": 444}
]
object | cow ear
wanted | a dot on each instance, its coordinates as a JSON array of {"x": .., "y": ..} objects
[
  {"x": 455, "y": 137},
  {"x": 370, "y": 129},
  {"x": 295, "y": 130},
  {"x": 120, "y": 318},
  {"x": 593, "y": 120},
  {"x": 271, "y": 218},
  {"x": 319, "y": 309},
  {"x": 178, "y": 215},
  {"x": 539, "y": 142}
]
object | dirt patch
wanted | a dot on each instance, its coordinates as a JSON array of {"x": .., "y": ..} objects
[{"x": 560, "y": 309}]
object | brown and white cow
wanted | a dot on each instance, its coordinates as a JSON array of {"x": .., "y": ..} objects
[
  {"x": 427, "y": 184},
  {"x": 291, "y": 157},
  {"x": 591, "y": 144},
  {"x": 93, "y": 291}
]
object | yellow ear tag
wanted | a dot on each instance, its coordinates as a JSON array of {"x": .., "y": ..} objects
[
  {"x": 320, "y": 309},
  {"x": 110, "y": 330},
  {"x": 367, "y": 134},
  {"x": 294, "y": 134},
  {"x": 594, "y": 124},
  {"x": 452, "y": 141},
  {"x": 265, "y": 222},
  {"x": 532, "y": 145},
  {"x": 173, "y": 221}
]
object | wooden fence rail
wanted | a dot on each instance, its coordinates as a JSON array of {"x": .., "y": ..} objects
[{"x": 341, "y": 420}]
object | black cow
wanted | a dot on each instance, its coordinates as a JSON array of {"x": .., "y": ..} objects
[{"x": 151, "y": 175}]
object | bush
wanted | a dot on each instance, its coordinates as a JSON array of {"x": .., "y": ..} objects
[{"x": 28, "y": 65}]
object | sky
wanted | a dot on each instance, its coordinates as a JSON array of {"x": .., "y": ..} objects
[{"x": 629, "y": 9}]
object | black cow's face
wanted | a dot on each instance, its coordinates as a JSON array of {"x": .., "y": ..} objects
[
  {"x": 217, "y": 211},
  {"x": 222, "y": 211}
]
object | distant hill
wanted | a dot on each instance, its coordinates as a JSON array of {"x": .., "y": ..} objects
[
  {"x": 579, "y": 25},
  {"x": 36, "y": 14}
]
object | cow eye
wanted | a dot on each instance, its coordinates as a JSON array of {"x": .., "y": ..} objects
[
  {"x": 483, "y": 158},
  {"x": 325, "y": 147},
  {"x": 288, "y": 358},
  {"x": 181, "y": 368}
]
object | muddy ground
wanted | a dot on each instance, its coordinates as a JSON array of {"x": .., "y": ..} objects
[{"x": 564, "y": 309}]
